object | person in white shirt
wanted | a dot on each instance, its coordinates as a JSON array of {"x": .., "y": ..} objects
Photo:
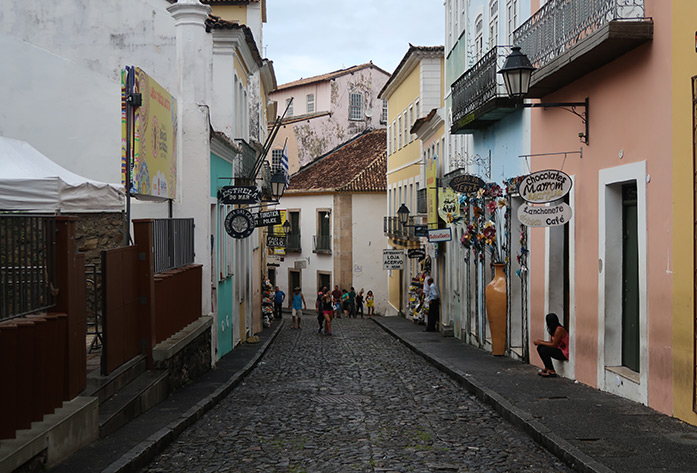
[{"x": 433, "y": 298}]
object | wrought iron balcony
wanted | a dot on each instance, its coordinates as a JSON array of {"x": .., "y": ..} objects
[
  {"x": 322, "y": 244},
  {"x": 393, "y": 229},
  {"x": 479, "y": 95},
  {"x": 293, "y": 243},
  {"x": 566, "y": 39},
  {"x": 245, "y": 161}
]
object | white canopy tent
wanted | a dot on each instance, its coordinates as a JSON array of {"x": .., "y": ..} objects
[{"x": 30, "y": 181}]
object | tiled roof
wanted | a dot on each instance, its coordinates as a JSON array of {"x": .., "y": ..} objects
[
  {"x": 328, "y": 76},
  {"x": 216, "y": 23},
  {"x": 359, "y": 165}
]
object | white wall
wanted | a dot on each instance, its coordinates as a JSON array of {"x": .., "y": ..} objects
[{"x": 61, "y": 87}]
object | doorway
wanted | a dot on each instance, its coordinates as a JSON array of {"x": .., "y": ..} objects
[{"x": 630, "y": 279}]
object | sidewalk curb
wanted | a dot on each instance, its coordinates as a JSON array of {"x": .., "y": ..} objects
[
  {"x": 142, "y": 454},
  {"x": 549, "y": 440}
]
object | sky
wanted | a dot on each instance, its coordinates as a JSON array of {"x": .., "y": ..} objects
[{"x": 305, "y": 38}]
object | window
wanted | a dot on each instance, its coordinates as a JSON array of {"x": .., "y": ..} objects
[
  {"x": 289, "y": 106},
  {"x": 276, "y": 159},
  {"x": 323, "y": 239},
  {"x": 389, "y": 141},
  {"x": 293, "y": 236},
  {"x": 406, "y": 129},
  {"x": 356, "y": 107},
  {"x": 512, "y": 17},
  {"x": 310, "y": 103},
  {"x": 478, "y": 38},
  {"x": 383, "y": 117},
  {"x": 493, "y": 23},
  {"x": 411, "y": 121},
  {"x": 394, "y": 138},
  {"x": 399, "y": 132},
  {"x": 417, "y": 109}
]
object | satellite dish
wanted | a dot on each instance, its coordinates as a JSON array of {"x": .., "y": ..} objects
[{"x": 368, "y": 113}]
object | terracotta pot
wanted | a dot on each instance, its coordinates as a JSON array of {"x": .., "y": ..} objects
[{"x": 496, "y": 310}]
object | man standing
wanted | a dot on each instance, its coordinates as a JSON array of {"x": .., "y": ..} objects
[
  {"x": 297, "y": 305},
  {"x": 318, "y": 308},
  {"x": 278, "y": 303},
  {"x": 433, "y": 298}
]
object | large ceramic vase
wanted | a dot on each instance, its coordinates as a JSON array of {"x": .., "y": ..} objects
[{"x": 496, "y": 310}]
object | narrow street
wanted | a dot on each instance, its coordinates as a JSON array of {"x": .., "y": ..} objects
[{"x": 356, "y": 401}]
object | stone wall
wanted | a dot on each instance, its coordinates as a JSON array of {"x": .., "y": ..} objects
[
  {"x": 99, "y": 231},
  {"x": 190, "y": 362}
]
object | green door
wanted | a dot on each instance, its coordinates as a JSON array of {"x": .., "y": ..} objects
[{"x": 630, "y": 279}]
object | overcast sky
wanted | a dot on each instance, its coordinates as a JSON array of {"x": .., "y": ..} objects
[{"x": 306, "y": 38}]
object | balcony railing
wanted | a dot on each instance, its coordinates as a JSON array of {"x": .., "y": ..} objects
[
  {"x": 293, "y": 243},
  {"x": 561, "y": 25},
  {"x": 394, "y": 229},
  {"x": 322, "y": 244},
  {"x": 480, "y": 86},
  {"x": 173, "y": 240},
  {"x": 245, "y": 161},
  {"x": 27, "y": 264}
]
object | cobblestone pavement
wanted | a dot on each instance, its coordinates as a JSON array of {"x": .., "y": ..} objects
[{"x": 358, "y": 401}]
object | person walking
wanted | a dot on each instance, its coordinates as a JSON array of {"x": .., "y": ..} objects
[
  {"x": 352, "y": 302},
  {"x": 336, "y": 300},
  {"x": 370, "y": 303},
  {"x": 433, "y": 298},
  {"x": 344, "y": 302},
  {"x": 327, "y": 312},
  {"x": 297, "y": 304},
  {"x": 278, "y": 299},
  {"x": 359, "y": 303},
  {"x": 319, "y": 309}
]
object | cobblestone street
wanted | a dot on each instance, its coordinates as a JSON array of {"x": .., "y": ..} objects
[{"x": 358, "y": 401}]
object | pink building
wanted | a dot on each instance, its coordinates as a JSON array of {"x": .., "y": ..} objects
[{"x": 327, "y": 110}]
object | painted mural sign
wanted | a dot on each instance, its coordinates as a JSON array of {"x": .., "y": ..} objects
[
  {"x": 440, "y": 234},
  {"x": 270, "y": 217},
  {"x": 239, "y": 195},
  {"x": 544, "y": 215},
  {"x": 466, "y": 184},
  {"x": 154, "y": 137},
  {"x": 275, "y": 241},
  {"x": 544, "y": 186},
  {"x": 392, "y": 259},
  {"x": 448, "y": 205},
  {"x": 239, "y": 223}
]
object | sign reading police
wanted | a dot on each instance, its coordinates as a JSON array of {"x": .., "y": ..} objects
[
  {"x": 271, "y": 217},
  {"x": 392, "y": 259}
]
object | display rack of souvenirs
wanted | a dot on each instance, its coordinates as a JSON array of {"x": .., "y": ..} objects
[
  {"x": 416, "y": 303},
  {"x": 267, "y": 295}
]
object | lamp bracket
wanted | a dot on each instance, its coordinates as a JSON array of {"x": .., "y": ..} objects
[{"x": 569, "y": 107}]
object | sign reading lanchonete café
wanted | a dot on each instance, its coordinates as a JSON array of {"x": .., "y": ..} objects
[
  {"x": 544, "y": 186},
  {"x": 543, "y": 215}
]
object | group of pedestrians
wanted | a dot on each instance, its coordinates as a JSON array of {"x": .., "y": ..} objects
[{"x": 328, "y": 305}]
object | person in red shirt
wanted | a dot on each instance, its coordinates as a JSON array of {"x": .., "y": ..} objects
[
  {"x": 557, "y": 347},
  {"x": 336, "y": 300}
]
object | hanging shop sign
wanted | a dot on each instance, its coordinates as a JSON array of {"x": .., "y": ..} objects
[
  {"x": 439, "y": 234},
  {"x": 270, "y": 217},
  {"x": 239, "y": 195},
  {"x": 544, "y": 186},
  {"x": 466, "y": 184},
  {"x": 416, "y": 253},
  {"x": 275, "y": 241},
  {"x": 392, "y": 259},
  {"x": 239, "y": 223},
  {"x": 421, "y": 230},
  {"x": 448, "y": 205},
  {"x": 544, "y": 215}
]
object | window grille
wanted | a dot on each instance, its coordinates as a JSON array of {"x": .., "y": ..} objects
[
  {"x": 356, "y": 107},
  {"x": 310, "y": 103},
  {"x": 383, "y": 117},
  {"x": 276, "y": 155}
]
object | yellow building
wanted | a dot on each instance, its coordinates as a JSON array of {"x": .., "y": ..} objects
[{"x": 412, "y": 92}]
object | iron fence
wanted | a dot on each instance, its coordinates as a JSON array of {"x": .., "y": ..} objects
[
  {"x": 293, "y": 243},
  {"x": 173, "y": 243},
  {"x": 393, "y": 228},
  {"x": 322, "y": 243},
  {"x": 27, "y": 264},
  {"x": 561, "y": 24},
  {"x": 93, "y": 299},
  {"x": 480, "y": 83}
]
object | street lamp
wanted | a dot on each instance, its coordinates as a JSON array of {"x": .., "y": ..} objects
[
  {"x": 403, "y": 215},
  {"x": 286, "y": 227},
  {"x": 278, "y": 184},
  {"x": 516, "y": 72}
]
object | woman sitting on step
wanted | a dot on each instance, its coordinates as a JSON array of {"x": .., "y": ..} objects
[{"x": 557, "y": 347}]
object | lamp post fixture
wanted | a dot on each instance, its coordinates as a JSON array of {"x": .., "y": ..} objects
[
  {"x": 286, "y": 227},
  {"x": 278, "y": 185},
  {"x": 516, "y": 72},
  {"x": 403, "y": 215}
]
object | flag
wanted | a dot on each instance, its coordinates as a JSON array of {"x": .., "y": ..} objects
[{"x": 284, "y": 163}]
